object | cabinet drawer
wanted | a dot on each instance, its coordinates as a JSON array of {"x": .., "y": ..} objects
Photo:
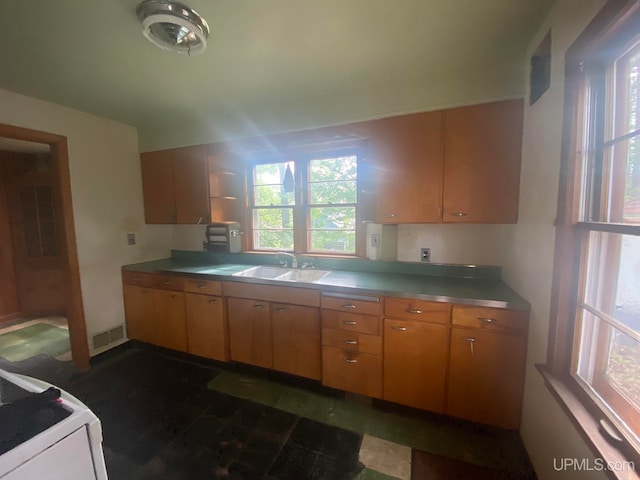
[
  {"x": 256, "y": 291},
  {"x": 490, "y": 319},
  {"x": 137, "y": 278},
  {"x": 352, "y": 322},
  {"x": 352, "y": 306},
  {"x": 208, "y": 287},
  {"x": 353, "y": 341},
  {"x": 422, "y": 310},
  {"x": 168, "y": 282},
  {"x": 352, "y": 371}
]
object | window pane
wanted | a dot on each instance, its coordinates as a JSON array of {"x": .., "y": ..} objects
[
  {"x": 266, "y": 195},
  {"x": 333, "y": 180},
  {"x": 273, "y": 184},
  {"x": 613, "y": 277},
  {"x": 333, "y": 192},
  {"x": 609, "y": 361},
  {"x": 273, "y": 239},
  {"x": 273, "y": 218},
  {"x": 626, "y": 95},
  {"x": 333, "y": 218},
  {"x": 271, "y": 173},
  {"x": 331, "y": 169},
  {"x": 342, "y": 241}
]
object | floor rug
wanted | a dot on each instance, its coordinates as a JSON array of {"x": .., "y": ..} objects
[{"x": 27, "y": 342}]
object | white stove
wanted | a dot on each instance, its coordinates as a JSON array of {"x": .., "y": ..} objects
[{"x": 56, "y": 440}]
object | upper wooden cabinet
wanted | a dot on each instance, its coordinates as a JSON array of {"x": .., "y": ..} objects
[
  {"x": 406, "y": 162},
  {"x": 175, "y": 185},
  {"x": 482, "y": 155}
]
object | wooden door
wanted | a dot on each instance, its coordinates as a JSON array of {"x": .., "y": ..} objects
[
  {"x": 158, "y": 187},
  {"x": 415, "y": 359},
  {"x": 37, "y": 234},
  {"x": 191, "y": 184},
  {"x": 138, "y": 310},
  {"x": 206, "y": 326},
  {"x": 250, "y": 339},
  {"x": 407, "y": 166},
  {"x": 170, "y": 319},
  {"x": 482, "y": 156},
  {"x": 296, "y": 340},
  {"x": 9, "y": 303},
  {"x": 486, "y": 376}
]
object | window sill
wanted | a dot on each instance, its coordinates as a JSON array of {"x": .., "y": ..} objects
[{"x": 626, "y": 467}]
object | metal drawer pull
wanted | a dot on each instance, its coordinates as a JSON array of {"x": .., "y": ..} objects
[
  {"x": 400, "y": 329},
  {"x": 389, "y": 215},
  {"x": 282, "y": 309},
  {"x": 351, "y": 342},
  {"x": 351, "y": 360},
  {"x": 136, "y": 279},
  {"x": 417, "y": 312},
  {"x": 486, "y": 320},
  {"x": 202, "y": 285},
  {"x": 459, "y": 214},
  {"x": 349, "y": 322},
  {"x": 349, "y": 305},
  {"x": 258, "y": 306},
  {"x": 471, "y": 341},
  {"x": 175, "y": 295},
  {"x": 167, "y": 282},
  {"x": 213, "y": 300}
]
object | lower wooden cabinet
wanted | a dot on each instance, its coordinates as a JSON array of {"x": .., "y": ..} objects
[
  {"x": 352, "y": 343},
  {"x": 486, "y": 376},
  {"x": 170, "y": 319},
  {"x": 296, "y": 340},
  {"x": 352, "y": 371},
  {"x": 206, "y": 326},
  {"x": 250, "y": 338},
  {"x": 415, "y": 363},
  {"x": 138, "y": 308}
]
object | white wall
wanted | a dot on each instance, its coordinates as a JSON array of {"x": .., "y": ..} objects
[
  {"x": 106, "y": 189},
  {"x": 464, "y": 244},
  {"x": 528, "y": 256}
]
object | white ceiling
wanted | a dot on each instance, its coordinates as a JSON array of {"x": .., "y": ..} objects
[{"x": 91, "y": 55}]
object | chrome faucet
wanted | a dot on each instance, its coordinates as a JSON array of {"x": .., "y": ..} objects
[{"x": 294, "y": 259}]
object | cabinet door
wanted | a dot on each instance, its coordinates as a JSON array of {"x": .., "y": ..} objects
[
  {"x": 296, "y": 340},
  {"x": 206, "y": 327},
  {"x": 482, "y": 156},
  {"x": 138, "y": 310},
  {"x": 191, "y": 184},
  {"x": 486, "y": 376},
  {"x": 171, "y": 324},
  {"x": 157, "y": 187},
  {"x": 407, "y": 166},
  {"x": 415, "y": 359},
  {"x": 250, "y": 332}
]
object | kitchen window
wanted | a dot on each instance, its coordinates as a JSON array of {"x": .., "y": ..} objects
[
  {"x": 306, "y": 205},
  {"x": 595, "y": 335}
]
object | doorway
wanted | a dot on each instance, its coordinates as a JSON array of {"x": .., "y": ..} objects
[{"x": 49, "y": 239}]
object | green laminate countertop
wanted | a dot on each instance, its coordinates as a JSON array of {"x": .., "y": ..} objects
[{"x": 479, "y": 290}]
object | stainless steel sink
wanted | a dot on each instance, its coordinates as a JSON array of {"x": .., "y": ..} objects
[{"x": 283, "y": 274}]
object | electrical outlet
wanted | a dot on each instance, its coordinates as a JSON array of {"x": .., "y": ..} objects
[
  {"x": 375, "y": 239},
  {"x": 131, "y": 238},
  {"x": 425, "y": 254}
]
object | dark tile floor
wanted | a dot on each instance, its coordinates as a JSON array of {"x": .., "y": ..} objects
[
  {"x": 162, "y": 419},
  {"x": 161, "y": 422}
]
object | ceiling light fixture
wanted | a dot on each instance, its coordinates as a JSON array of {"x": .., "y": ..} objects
[{"x": 173, "y": 26}]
